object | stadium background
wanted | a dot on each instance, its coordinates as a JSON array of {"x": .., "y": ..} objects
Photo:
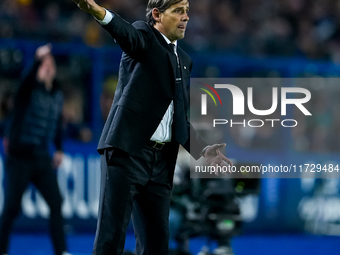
[{"x": 246, "y": 38}]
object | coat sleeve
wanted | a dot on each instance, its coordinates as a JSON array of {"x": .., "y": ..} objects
[
  {"x": 28, "y": 81},
  {"x": 132, "y": 38},
  {"x": 58, "y": 139},
  {"x": 195, "y": 143}
]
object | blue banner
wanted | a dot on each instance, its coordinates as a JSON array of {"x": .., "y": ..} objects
[{"x": 304, "y": 204}]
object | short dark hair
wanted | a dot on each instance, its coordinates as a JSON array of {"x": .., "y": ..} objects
[{"x": 161, "y": 5}]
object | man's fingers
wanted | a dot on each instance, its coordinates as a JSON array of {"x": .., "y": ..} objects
[
  {"x": 218, "y": 146},
  {"x": 227, "y": 165},
  {"x": 77, "y": 1},
  {"x": 44, "y": 50},
  {"x": 224, "y": 166},
  {"x": 221, "y": 157},
  {"x": 220, "y": 161},
  {"x": 215, "y": 162},
  {"x": 226, "y": 159},
  {"x": 83, "y": 4}
]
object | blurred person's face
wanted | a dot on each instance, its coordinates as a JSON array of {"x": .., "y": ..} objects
[
  {"x": 47, "y": 70},
  {"x": 173, "y": 21}
]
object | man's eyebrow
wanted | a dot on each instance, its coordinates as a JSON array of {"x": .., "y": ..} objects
[{"x": 182, "y": 7}]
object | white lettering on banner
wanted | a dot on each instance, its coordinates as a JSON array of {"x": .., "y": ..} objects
[
  {"x": 79, "y": 204},
  {"x": 28, "y": 207},
  {"x": 80, "y": 191},
  {"x": 322, "y": 209},
  {"x": 33, "y": 204},
  {"x": 249, "y": 207},
  {"x": 64, "y": 171},
  {"x": 93, "y": 184},
  {"x": 72, "y": 170},
  {"x": 2, "y": 191}
]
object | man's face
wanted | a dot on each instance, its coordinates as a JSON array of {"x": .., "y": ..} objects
[
  {"x": 173, "y": 21},
  {"x": 47, "y": 69}
]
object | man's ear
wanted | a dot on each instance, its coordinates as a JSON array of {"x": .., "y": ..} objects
[{"x": 156, "y": 14}]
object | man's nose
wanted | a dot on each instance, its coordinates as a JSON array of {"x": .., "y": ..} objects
[{"x": 185, "y": 17}]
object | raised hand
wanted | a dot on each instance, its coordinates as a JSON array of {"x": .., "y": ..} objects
[
  {"x": 91, "y": 7},
  {"x": 43, "y": 51}
]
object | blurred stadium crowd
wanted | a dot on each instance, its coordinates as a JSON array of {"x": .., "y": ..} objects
[
  {"x": 248, "y": 27},
  {"x": 256, "y": 28}
]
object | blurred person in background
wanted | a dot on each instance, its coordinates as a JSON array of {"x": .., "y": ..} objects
[
  {"x": 35, "y": 122},
  {"x": 73, "y": 126},
  {"x": 146, "y": 124}
]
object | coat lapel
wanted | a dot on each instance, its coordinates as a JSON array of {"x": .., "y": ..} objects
[
  {"x": 173, "y": 61},
  {"x": 185, "y": 77},
  {"x": 168, "y": 49}
]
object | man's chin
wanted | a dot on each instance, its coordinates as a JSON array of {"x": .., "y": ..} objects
[{"x": 181, "y": 36}]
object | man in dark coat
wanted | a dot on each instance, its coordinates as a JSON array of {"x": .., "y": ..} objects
[
  {"x": 147, "y": 123},
  {"x": 35, "y": 123}
]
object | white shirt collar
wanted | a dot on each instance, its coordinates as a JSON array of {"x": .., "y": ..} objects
[{"x": 168, "y": 41}]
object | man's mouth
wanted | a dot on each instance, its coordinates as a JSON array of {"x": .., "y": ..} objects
[{"x": 182, "y": 27}]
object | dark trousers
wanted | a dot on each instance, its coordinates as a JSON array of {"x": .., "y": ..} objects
[
  {"x": 138, "y": 185},
  {"x": 19, "y": 173}
]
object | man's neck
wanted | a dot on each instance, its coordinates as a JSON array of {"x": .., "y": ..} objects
[{"x": 168, "y": 40}]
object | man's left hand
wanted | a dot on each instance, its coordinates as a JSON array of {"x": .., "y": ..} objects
[{"x": 215, "y": 158}]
